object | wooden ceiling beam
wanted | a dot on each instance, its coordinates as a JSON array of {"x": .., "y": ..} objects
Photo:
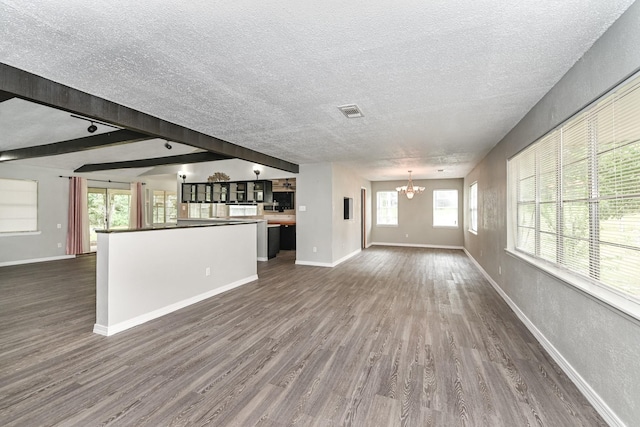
[
  {"x": 47, "y": 92},
  {"x": 122, "y": 136},
  {"x": 158, "y": 161}
]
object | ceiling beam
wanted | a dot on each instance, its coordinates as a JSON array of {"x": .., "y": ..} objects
[
  {"x": 5, "y": 96},
  {"x": 159, "y": 161},
  {"x": 123, "y": 136},
  {"x": 38, "y": 89}
]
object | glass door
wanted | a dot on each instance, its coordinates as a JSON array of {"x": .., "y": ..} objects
[{"x": 108, "y": 209}]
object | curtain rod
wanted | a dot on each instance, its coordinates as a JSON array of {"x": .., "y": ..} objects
[{"x": 101, "y": 180}]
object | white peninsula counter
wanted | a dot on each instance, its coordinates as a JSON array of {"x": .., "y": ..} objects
[{"x": 147, "y": 273}]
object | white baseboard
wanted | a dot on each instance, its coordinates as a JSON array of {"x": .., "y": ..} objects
[
  {"x": 261, "y": 258},
  {"x": 594, "y": 398},
  {"x": 138, "y": 320},
  {"x": 417, "y": 245},
  {"x": 29, "y": 261},
  {"x": 329, "y": 264}
]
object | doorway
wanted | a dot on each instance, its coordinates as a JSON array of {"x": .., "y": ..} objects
[
  {"x": 363, "y": 218},
  {"x": 108, "y": 210}
]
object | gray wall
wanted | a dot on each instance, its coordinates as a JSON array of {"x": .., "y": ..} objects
[
  {"x": 321, "y": 188},
  {"x": 415, "y": 216},
  {"x": 53, "y": 196},
  {"x": 601, "y": 344}
]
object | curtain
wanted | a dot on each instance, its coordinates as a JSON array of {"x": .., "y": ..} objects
[
  {"x": 136, "y": 210},
  {"x": 78, "y": 227}
]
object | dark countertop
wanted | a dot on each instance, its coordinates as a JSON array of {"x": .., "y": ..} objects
[{"x": 213, "y": 223}]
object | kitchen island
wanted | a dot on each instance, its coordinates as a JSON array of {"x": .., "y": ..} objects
[{"x": 146, "y": 273}]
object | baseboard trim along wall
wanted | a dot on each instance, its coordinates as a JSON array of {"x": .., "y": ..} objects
[
  {"x": 417, "y": 245},
  {"x": 329, "y": 264},
  {"x": 119, "y": 327},
  {"x": 592, "y": 396},
  {"x": 30, "y": 261}
]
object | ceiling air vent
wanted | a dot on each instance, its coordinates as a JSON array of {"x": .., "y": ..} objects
[{"x": 351, "y": 111}]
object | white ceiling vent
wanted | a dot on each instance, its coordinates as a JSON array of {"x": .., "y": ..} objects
[{"x": 351, "y": 111}]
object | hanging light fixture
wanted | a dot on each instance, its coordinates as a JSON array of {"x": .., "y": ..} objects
[{"x": 410, "y": 190}]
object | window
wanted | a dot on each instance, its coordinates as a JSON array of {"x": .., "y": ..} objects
[
  {"x": 445, "y": 208},
  {"x": 387, "y": 208},
  {"x": 18, "y": 206},
  {"x": 473, "y": 207},
  {"x": 575, "y": 194},
  {"x": 165, "y": 207}
]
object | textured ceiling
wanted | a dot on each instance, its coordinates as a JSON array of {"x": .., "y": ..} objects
[{"x": 439, "y": 82}]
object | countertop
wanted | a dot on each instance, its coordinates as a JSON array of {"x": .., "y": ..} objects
[{"x": 212, "y": 223}]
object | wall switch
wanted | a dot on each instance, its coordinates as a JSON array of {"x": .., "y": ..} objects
[
  {"x": 207, "y": 271},
  {"x": 480, "y": 252},
  {"x": 500, "y": 270},
  {"x": 59, "y": 225},
  {"x": 406, "y": 235},
  {"x": 59, "y": 245},
  {"x": 315, "y": 249},
  {"x": 302, "y": 208}
]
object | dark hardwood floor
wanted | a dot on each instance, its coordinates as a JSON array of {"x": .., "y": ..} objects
[{"x": 394, "y": 336}]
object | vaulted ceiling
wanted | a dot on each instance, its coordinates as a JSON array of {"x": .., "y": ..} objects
[{"x": 439, "y": 82}]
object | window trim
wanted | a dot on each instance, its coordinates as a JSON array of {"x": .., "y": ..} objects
[
  {"x": 433, "y": 209},
  {"x": 473, "y": 209},
  {"x": 603, "y": 293},
  {"x": 37, "y": 229},
  {"x": 397, "y": 209}
]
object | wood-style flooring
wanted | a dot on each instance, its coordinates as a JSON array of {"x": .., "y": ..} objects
[{"x": 391, "y": 337}]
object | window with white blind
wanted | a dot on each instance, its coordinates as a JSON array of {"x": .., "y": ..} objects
[
  {"x": 387, "y": 208},
  {"x": 575, "y": 195},
  {"x": 473, "y": 207},
  {"x": 165, "y": 207},
  {"x": 18, "y": 206},
  {"x": 445, "y": 208}
]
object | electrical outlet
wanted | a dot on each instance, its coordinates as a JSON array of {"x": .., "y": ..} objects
[
  {"x": 315, "y": 249},
  {"x": 480, "y": 252},
  {"x": 59, "y": 245},
  {"x": 59, "y": 225},
  {"x": 406, "y": 235},
  {"x": 207, "y": 271}
]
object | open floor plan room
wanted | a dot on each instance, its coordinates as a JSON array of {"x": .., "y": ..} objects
[{"x": 393, "y": 336}]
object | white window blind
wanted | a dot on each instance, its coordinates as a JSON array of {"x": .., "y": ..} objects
[
  {"x": 387, "y": 208},
  {"x": 575, "y": 194},
  {"x": 473, "y": 207},
  {"x": 18, "y": 205},
  {"x": 445, "y": 208}
]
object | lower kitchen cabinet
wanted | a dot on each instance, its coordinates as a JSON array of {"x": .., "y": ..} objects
[
  {"x": 288, "y": 237},
  {"x": 273, "y": 241}
]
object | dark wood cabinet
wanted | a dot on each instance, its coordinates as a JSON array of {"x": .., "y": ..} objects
[
  {"x": 288, "y": 237},
  {"x": 273, "y": 241},
  {"x": 227, "y": 192}
]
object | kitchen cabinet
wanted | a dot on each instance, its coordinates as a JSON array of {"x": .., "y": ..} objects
[
  {"x": 227, "y": 192},
  {"x": 288, "y": 237},
  {"x": 273, "y": 240}
]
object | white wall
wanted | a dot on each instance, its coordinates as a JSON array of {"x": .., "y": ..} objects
[
  {"x": 415, "y": 216},
  {"x": 596, "y": 344}
]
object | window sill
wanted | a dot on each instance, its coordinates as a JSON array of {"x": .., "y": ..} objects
[
  {"x": 451, "y": 227},
  {"x": 609, "y": 296},
  {"x": 20, "y": 233},
  {"x": 386, "y": 225},
  {"x": 474, "y": 232}
]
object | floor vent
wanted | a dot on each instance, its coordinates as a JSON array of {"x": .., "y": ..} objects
[{"x": 351, "y": 111}]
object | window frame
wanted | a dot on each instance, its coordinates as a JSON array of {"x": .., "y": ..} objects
[
  {"x": 434, "y": 207},
  {"x": 473, "y": 207},
  {"x": 378, "y": 208},
  {"x": 165, "y": 206},
  {"x": 564, "y": 267}
]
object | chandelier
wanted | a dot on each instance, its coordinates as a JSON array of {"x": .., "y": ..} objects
[{"x": 410, "y": 190}]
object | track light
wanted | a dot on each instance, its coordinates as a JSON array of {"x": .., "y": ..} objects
[
  {"x": 167, "y": 146},
  {"x": 92, "y": 128}
]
